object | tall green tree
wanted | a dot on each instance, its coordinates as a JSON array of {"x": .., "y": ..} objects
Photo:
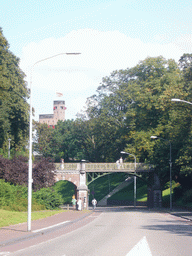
[
  {"x": 13, "y": 95},
  {"x": 43, "y": 139},
  {"x": 138, "y": 102}
]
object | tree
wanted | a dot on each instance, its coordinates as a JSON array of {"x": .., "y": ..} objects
[
  {"x": 43, "y": 140},
  {"x": 133, "y": 104},
  {"x": 15, "y": 171},
  {"x": 43, "y": 173},
  {"x": 13, "y": 94}
]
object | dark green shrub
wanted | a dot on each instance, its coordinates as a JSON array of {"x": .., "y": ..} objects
[
  {"x": 178, "y": 192},
  {"x": 15, "y": 198},
  {"x": 48, "y": 197},
  {"x": 187, "y": 196}
]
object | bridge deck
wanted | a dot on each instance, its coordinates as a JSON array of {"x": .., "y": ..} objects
[{"x": 104, "y": 167}]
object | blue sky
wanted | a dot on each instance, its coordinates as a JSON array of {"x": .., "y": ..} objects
[{"x": 109, "y": 34}]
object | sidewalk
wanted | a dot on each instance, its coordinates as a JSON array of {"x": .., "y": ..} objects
[
  {"x": 183, "y": 213},
  {"x": 16, "y": 233}
]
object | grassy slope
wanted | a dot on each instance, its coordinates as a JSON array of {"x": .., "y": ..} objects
[
  {"x": 102, "y": 186},
  {"x": 128, "y": 194}
]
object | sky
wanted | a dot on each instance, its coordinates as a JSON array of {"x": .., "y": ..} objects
[{"x": 109, "y": 34}]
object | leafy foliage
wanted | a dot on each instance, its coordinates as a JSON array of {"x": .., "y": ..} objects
[
  {"x": 48, "y": 197},
  {"x": 14, "y": 198},
  {"x": 139, "y": 102},
  {"x": 15, "y": 171},
  {"x": 66, "y": 189},
  {"x": 13, "y": 95},
  {"x": 43, "y": 175}
]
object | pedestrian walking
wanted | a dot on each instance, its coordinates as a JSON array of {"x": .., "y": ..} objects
[
  {"x": 121, "y": 162},
  {"x": 79, "y": 205},
  {"x": 118, "y": 164},
  {"x": 74, "y": 202},
  {"x": 94, "y": 203}
]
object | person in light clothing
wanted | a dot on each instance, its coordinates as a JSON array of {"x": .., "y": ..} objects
[
  {"x": 79, "y": 204},
  {"x": 94, "y": 203},
  {"x": 74, "y": 202}
]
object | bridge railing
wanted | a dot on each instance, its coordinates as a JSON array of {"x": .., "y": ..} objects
[
  {"x": 102, "y": 167},
  {"x": 67, "y": 166},
  {"x": 115, "y": 167}
]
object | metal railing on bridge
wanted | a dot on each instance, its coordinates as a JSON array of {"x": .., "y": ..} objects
[{"x": 105, "y": 167}]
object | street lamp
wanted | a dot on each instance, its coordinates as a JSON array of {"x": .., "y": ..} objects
[
  {"x": 170, "y": 164},
  {"x": 178, "y": 100},
  {"x": 9, "y": 148},
  {"x": 135, "y": 180},
  {"x": 30, "y": 180}
]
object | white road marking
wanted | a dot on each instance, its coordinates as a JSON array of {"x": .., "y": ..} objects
[
  {"x": 39, "y": 230},
  {"x": 141, "y": 249},
  {"x": 4, "y": 253}
]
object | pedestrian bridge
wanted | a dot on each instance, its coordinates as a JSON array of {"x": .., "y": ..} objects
[
  {"x": 77, "y": 173},
  {"x": 104, "y": 167}
]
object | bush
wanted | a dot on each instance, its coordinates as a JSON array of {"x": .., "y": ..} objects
[
  {"x": 14, "y": 198},
  {"x": 48, "y": 197},
  {"x": 178, "y": 192},
  {"x": 187, "y": 196}
]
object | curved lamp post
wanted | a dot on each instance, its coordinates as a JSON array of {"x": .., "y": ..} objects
[
  {"x": 178, "y": 100},
  {"x": 30, "y": 180},
  {"x": 135, "y": 180},
  {"x": 170, "y": 164}
]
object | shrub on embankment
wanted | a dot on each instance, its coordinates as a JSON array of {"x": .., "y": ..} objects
[{"x": 15, "y": 198}]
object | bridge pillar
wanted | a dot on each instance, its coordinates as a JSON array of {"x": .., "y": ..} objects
[
  {"x": 154, "y": 197},
  {"x": 82, "y": 189}
]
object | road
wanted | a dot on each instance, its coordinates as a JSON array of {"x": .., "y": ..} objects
[{"x": 121, "y": 231}]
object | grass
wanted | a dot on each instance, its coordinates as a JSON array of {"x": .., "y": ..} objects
[
  {"x": 127, "y": 193},
  {"x": 11, "y": 218},
  {"x": 102, "y": 186}
]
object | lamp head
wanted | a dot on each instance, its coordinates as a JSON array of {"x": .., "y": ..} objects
[
  {"x": 123, "y": 152},
  {"x": 175, "y": 100},
  {"x": 153, "y": 137}
]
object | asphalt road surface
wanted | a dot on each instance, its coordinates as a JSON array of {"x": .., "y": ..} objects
[{"x": 121, "y": 231}]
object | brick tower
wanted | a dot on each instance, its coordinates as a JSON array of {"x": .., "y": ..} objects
[
  {"x": 59, "y": 110},
  {"x": 58, "y": 114}
]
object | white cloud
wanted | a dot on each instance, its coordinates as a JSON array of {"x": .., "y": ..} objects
[{"x": 77, "y": 77}]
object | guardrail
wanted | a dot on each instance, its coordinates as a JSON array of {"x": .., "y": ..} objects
[{"x": 104, "y": 167}]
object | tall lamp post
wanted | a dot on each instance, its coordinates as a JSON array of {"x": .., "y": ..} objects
[
  {"x": 30, "y": 180},
  {"x": 178, "y": 100},
  {"x": 135, "y": 178},
  {"x": 170, "y": 164}
]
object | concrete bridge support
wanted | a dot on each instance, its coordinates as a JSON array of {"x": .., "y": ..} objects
[
  {"x": 82, "y": 189},
  {"x": 154, "y": 198}
]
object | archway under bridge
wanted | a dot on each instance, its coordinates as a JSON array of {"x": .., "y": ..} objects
[{"x": 77, "y": 174}]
